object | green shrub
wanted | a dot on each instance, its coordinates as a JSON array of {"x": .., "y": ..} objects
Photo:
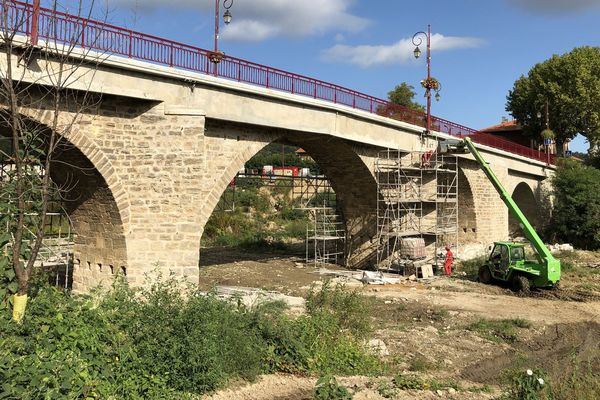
[
  {"x": 327, "y": 388},
  {"x": 296, "y": 229},
  {"x": 329, "y": 339},
  {"x": 191, "y": 356},
  {"x": 349, "y": 308},
  {"x": 576, "y": 216},
  {"x": 157, "y": 343},
  {"x": 289, "y": 213}
]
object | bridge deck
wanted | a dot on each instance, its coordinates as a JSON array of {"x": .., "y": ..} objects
[{"x": 90, "y": 34}]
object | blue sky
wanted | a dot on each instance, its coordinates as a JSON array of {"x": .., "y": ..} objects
[{"x": 481, "y": 46}]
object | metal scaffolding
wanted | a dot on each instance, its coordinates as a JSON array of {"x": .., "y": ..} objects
[
  {"x": 55, "y": 255},
  {"x": 325, "y": 236},
  {"x": 417, "y": 199},
  {"x": 325, "y": 229},
  {"x": 305, "y": 191}
]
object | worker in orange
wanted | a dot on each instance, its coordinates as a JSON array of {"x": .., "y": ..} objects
[{"x": 448, "y": 262}]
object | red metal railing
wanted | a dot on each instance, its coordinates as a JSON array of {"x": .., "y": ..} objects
[
  {"x": 90, "y": 34},
  {"x": 511, "y": 147}
]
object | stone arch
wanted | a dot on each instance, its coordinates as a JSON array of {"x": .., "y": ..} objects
[
  {"x": 95, "y": 202},
  {"x": 76, "y": 136},
  {"x": 355, "y": 187},
  {"x": 524, "y": 196},
  {"x": 350, "y": 177},
  {"x": 237, "y": 145}
]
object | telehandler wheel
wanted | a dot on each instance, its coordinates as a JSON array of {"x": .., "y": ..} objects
[
  {"x": 484, "y": 274},
  {"x": 521, "y": 284}
]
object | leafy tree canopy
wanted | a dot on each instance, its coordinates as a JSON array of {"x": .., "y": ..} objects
[
  {"x": 570, "y": 83},
  {"x": 403, "y": 94},
  {"x": 576, "y": 217}
]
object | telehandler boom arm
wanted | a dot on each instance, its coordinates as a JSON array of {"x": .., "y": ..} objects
[{"x": 546, "y": 258}]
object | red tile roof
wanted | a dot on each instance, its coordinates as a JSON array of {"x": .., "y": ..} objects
[{"x": 505, "y": 126}]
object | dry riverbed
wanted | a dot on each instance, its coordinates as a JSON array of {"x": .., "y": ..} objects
[{"x": 451, "y": 332}]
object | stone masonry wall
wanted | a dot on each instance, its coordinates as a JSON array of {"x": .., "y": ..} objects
[{"x": 490, "y": 212}]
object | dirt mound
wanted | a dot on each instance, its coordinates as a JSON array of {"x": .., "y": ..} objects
[
  {"x": 558, "y": 350},
  {"x": 578, "y": 295}
]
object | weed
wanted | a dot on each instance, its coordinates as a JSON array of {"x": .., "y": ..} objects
[
  {"x": 442, "y": 384},
  {"x": 327, "y": 388},
  {"x": 567, "y": 266},
  {"x": 386, "y": 390},
  {"x": 412, "y": 382},
  {"x": 420, "y": 364},
  {"x": 582, "y": 384},
  {"x": 481, "y": 389},
  {"x": 409, "y": 382},
  {"x": 499, "y": 330},
  {"x": 529, "y": 385},
  {"x": 438, "y": 314},
  {"x": 251, "y": 225}
]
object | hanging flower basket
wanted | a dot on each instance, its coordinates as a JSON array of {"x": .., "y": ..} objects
[
  {"x": 548, "y": 134},
  {"x": 216, "y": 57},
  {"x": 431, "y": 84}
]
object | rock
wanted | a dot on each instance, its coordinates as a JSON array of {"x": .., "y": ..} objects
[
  {"x": 453, "y": 313},
  {"x": 440, "y": 393},
  {"x": 412, "y": 278},
  {"x": 299, "y": 265},
  {"x": 431, "y": 329},
  {"x": 387, "y": 302},
  {"x": 451, "y": 390},
  {"x": 378, "y": 346}
]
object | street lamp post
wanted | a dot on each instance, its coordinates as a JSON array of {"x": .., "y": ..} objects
[
  {"x": 429, "y": 83},
  {"x": 547, "y": 141},
  {"x": 216, "y": 58},
  {"x": 34, "y": 23}
]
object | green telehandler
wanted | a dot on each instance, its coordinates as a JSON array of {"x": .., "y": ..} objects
[{"x": 507, "y": 262}]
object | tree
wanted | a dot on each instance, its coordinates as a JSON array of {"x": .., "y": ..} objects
[
  {"x": 401, "y": 106},
  {"x": 576, "y": 216},
  {"x": 403, "y": 94},
  {"x": 40, "y": 78},
  {"x": 570, "y": 86}
]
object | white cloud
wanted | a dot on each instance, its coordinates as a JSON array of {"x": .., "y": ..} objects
[
  {"x": 555, "y": 6},
  {"x": 397, "y": 53},
  {"x": 255, "y": 20}
]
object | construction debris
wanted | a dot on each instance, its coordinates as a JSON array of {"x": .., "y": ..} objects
[
  {"x": 252, "y": 297},
  {"x": 368, "y": 277},
  {"x": 560, "y": 247},
  {"x": 377, "y": 278}
]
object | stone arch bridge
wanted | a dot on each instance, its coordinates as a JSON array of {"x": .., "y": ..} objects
[{"x": 149, "y": 161}]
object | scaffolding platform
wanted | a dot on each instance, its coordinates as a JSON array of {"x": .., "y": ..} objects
[
  {"x": 325, "y": 236},
  {"x": 417, "y": 197}
]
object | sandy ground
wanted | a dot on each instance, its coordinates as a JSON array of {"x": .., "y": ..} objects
[{"x": 429, "y": 322}]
